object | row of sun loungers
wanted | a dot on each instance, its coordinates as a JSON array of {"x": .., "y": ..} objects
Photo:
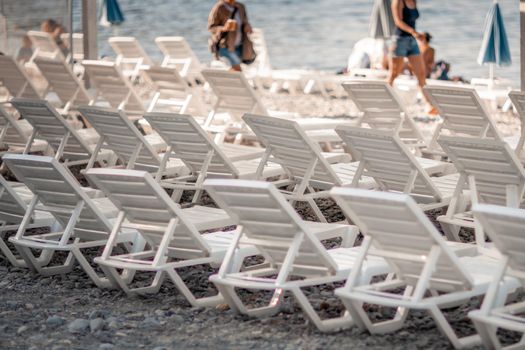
[{"x": 140, "y": 156}]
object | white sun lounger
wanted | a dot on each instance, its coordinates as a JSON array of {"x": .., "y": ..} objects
[
  {"x": 505, "y": 227},
  {"x": 307, "y": 169},
  {"x": 131, "y": 57},
  {"x": 63, "y": 82},
  {"x": 135, "y": 150},
  {"x": 291, "y": 247},
  {"x": 428, "y": 274},
  {"x": 78, "y": 44},
  {"x": 491, "y": 172},
  {"x": 178, "y": 53},
  {"x": 72, "y": 146},
  {"x": 463, "y": 113},
  {"x": 15, "y": 80},
  {"x": 45, "y": 46},
  {"x": 190, "y": 143},
  {"x": 13, "y": 206},
  {"x": 384, "y": 157},
  {"x": 85, "y": 222},
  {"x": 518, "y": 100},
  {"x": 382, "y": 108},
  {"x": 173, "y": 234},
  {"x": 112, "y": 87},
  {"x": 14, "y": 134}
]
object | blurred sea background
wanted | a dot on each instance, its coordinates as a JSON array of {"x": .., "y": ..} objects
[{"x": 316, "y": 34}]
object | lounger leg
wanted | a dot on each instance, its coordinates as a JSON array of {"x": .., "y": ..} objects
[
  {"x": 232, "y": 299},
  {"x": 333, "y": 324},
  {"x": 487, "y": 333},
  {"x": 9, "y": 254},
  {"x": 101, "y": 282},
  {"x": 184, "y": 290},
  {"x": 115, "y": 278},
  {"x": 446, "y": 329},
  {"x": 316, "y": 210}
]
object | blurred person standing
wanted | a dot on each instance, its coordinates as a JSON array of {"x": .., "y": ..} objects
[{"x": 229, "y": 27}]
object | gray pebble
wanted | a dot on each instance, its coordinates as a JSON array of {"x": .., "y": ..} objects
[
  {"x": 79, "y": 325},
  {"x": 106, "y": 346},
  {"x": 22, "y": 329},
  {"x": 96, "y": 324},
  {"x": 55, "y": 321}
]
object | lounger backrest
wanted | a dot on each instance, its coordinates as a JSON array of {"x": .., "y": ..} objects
[
  {"x": 12, "y": 207},
  {"x": 121, "y": 135},
  {"x": 235, "y": 94},
  {"x": 169, "y": 85},
  {"x": 262, "y": 62},
  {"x": 15, "y": 80},
  {"x": 52, "y": 127},
  {"x": 57, "y": 188},
  {"x": 269, "y": 222},
  {"x": 190, "y": 143},
  {"x": 518, "y": 100},
  {"x": 63, "y": 81},
  {"x": 178, "y": 53},
  {"x": 149, "y": 207},
  {"x": 400, "y": 229},
  {"x": 129, "y": 52},
  {"x": 492, "y": 163},
  {"x": 504, "y": 226},
  {"x": 387, "y": 160},
  {"x": 291, "y": 148},
  {"x": 78, "y": 44},
  {"x": 45, "y": 45},
  {"x": 462, "y": 111},
  {"x": 380, "y": 105},
  {"x": 15, "y": 135},
  {"x": 113, "y": 87}
]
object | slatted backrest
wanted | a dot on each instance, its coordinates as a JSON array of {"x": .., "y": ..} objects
[
  {"x": 380, "y": 105},
  {"x": 398, "y": 226},
  {"x": 291, "y": 148},
  {"x": 148, "y": 206},
  {"x": 130, "y": 54},
  {"x": 63, "y": 81},
  {"x": 113, "y": 87},
  {"x": 78, "y": 44},
  {"x": 15, "y": 80},
  {"x": 45, "y": 45},
  {"x": 505, "y": 227},
  {"x": 269, "y": 222},
  {"x": 492, "y": 163},
  {"x": 52, "y": 127},
  {"x": 121, "y": 135},
  {"x": 15, "y": 135},
  {"x": 57, "y": 188},
  {"x": 462, "y": 111},
  {"x": 169, "y": 85},
  {"x": 190, "y": 143},
  {"x": 262, "y": 62},
  {"x": 518, "y": 100},
  {"x": 12, "y": 207},
  {"x": 387, "y": 160},
  {"x": 178, "y": 53},
  {"x": 235, "y": 94}
]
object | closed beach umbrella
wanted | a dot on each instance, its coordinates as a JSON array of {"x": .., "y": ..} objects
[
  {"x": 111, "y": 13},
  {"x": 495, "y": 45},
  {"x": 381, "y": 22}
]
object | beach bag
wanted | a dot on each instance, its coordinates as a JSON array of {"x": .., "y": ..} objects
[{"x": 215, "y": 47}]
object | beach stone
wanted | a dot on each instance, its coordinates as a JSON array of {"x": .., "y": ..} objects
[
  {"x": 55, "y": 321},
  {"x": 177, "y": 319},
  {"x": 21, "y": 329},
  {"x": 150, "y": 322},
  {"x": 106, "y": 346},
  {"x": 96, "y": 324},
  {"x": 79, "y": 325}
]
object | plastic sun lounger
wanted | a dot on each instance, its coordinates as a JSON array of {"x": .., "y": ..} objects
[
  {"x": 491, "y": 172},
  {"x": 63, "y": 82},
  {"x": 14, "y": 134},
  {"x": 173, "y": 234},
  {"x": 428, "y": 274},
  {"x": 15, "y": 80},
  {"x": 190, "y": 143},
  {"x": 112, "y": 87},
  {"x": 308, "y": 170},
  {"x": 72, "y": 146},
  {"x": 85, "y": 222},
  {"x": 45, "y": 46},
  {"x": 135, "y": 150},
  {"x": 382, "y": 108},
  {"x": 13, "y": 205},
  {"x": 505, "y": 227},
  {"x": 385, "y": 158},
  {"x": 178, "y": 54},
  {"x": 291, "y": 247},
  {"x": 131, "y": 57},
  {"x": 518, "y": 100},
  {"x": 463, "y": 113},
  {"x": 78, "y": 44},
  {"x": 235, "y": 96}
]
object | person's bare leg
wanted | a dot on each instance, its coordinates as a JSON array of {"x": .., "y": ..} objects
[
  {"x": 418, "y": 68},
  {"x": 396, "y": 66}
]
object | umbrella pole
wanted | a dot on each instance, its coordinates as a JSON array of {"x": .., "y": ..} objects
[
  {"x": 70, "y": 9},
  {"x": 491, "y": 75},
  {"x": 522, "y": 43}
]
